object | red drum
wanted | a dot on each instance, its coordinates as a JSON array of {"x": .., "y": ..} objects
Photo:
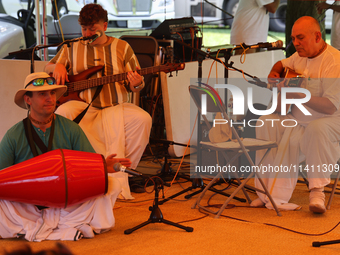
[{"x": 59, "y": 178}]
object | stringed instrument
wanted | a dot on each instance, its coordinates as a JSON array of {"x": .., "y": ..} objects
[
  {"x": 81, "y": 81},
  {"x": 293, "y": 79}
]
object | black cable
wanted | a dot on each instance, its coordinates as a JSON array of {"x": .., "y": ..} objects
[
  {"x": 206, "y": 215},
  {"x": 243, "y": 220},
  {"x": 284, "y": 228},
  {"x": 273, "y": 225}
]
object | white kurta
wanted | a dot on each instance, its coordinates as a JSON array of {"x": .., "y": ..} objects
[
  {"x": 95, "y": 215},
  {"x": 315, "y": 138},
  {"x": 251, "y": 22}
]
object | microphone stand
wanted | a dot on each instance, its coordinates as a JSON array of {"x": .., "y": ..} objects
[
  {"x": 227, "y": 55},
  {"x": 203, "y": 54},
  {"x": 156, "y": 215},
  {"x": 39, "y": 47},
  {"x": 166, "y": 171}
]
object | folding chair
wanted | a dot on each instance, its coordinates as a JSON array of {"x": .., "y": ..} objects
[{"x": 226, "y": 148}]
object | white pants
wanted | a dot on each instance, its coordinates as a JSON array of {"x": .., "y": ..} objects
[
  {"x": 95, "y": 215},
  {"x": 317, "y": 143},
  {"x": 123, "y": 129}
]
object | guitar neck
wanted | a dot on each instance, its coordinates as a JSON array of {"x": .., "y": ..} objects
[{"x": 91, "y": 83}]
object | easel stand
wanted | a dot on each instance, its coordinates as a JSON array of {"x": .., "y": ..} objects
[{"x": 156, "y": 215}]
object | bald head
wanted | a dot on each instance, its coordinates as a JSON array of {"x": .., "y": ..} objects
[
  {"x": 308, "y": 23},
  {"x": 307, "y": 38}
]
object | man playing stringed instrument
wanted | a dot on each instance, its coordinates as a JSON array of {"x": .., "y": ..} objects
[
  {"x": 110, "y": 123},
  {"x": 315, "y": 137}
]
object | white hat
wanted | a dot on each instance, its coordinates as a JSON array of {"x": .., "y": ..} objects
[{"x": 19, "y": 96}]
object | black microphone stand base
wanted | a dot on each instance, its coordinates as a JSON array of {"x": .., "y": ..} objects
[
  {"x": 156, "y": 216},
  {"x": 197, "y": 183}
]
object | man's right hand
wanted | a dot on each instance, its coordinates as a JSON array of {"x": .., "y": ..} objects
[
  {"x": 58, "y": 71},
  {"x": 60, "y": 74},
  {"x": 275, "y": 73}
]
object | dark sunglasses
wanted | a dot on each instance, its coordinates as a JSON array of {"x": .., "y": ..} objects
[{"x": 41, "y": 81}]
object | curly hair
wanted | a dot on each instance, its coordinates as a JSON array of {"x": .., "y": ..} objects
[{"x": 91, "y": 14}]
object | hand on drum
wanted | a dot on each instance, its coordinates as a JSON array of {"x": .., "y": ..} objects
[{"x": 111, "y": 160}]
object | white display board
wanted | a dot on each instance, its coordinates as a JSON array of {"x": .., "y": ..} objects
[{"x": 176, "y": 97}]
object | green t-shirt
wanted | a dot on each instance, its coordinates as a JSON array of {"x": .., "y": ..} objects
[{"x": 14, "y": 147}]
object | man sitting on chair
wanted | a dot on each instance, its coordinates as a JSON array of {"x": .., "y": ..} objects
[{"x": 315, "y": 136}]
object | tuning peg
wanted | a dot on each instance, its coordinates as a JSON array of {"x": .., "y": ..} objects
[{"x": 170, "y": 75}]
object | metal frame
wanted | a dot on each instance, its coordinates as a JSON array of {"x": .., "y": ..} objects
[{"x": 196, "y": 92}]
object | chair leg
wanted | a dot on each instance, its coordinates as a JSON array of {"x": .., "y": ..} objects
[
  {"x": 198, "y": 200},
  {"x": 333, "y": 191},
  {"x": 240, "y": 187},
  {"x": 304, "y": 177},
  {"x": 243, "y": 189}
]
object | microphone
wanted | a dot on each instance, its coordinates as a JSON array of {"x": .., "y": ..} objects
[
  {"x": 118, "y": 167},
  {"x": 94, "y": 37},
  {"x": 277, "y": 44}
]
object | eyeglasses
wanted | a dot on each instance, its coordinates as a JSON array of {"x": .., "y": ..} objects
[{"x": 41, "y": 81}]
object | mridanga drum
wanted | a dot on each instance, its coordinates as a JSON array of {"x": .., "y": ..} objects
[{"x": 59, "y": 178}]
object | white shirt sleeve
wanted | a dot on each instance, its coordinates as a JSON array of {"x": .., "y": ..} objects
[{"x": 262, "y": 3}]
